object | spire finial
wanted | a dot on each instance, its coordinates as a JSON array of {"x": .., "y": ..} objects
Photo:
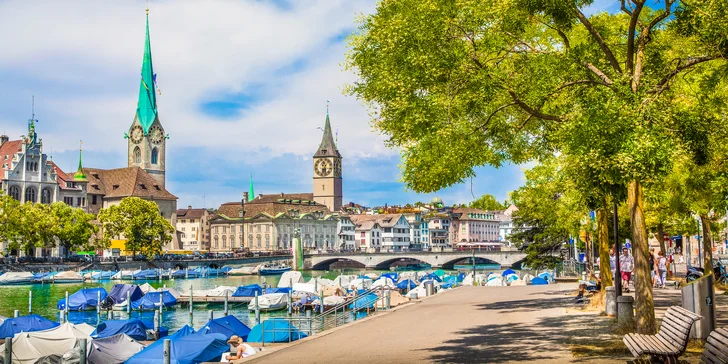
[
  {"x": 80, "y": 145},
  {"x": 32, "y": 107},
  {"x": 80, "y": 176},
  {"x": 327, "y": 107},
  {"x": 147, "y": 7}
]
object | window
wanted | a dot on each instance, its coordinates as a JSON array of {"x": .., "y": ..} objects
[
  {"x": 68, "y": 201},
  {"x": 232, "y": 241},
  {"x": 29, "y": 194},
  {"x": 224, "y": 241},
  {"x": 15, "y": 192},
  {"x": 267, "y": 241},
  {"x": 155, "y": 155},
  {"x": 183, "y": 229},
  {"x": 137, "y": 155},
  {"x": 224, "y": 229},
  {"x": 216, "y": 242},
  {"x": 215, "y": 229},
  {"x": 93, "y": 199},
  {"x": 258, "y": 239},
  {"x": 45, "y": 197},
  {"x": 193, "y": 228}
]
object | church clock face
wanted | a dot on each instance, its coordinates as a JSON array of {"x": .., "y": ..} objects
[
  {"x": 337, "y": 168},
  {"x": 136, "y": 134},
  {"x": 156, "y": 135},
  {"x": 323, "y": 167}
]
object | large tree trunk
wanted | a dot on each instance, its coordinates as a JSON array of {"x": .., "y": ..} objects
[
  {"x": 605, "y": 270},
  {"x": 644, "y": 303},
  {"x": 661, "y": 237},
  {"x": 707, "y": 244}
]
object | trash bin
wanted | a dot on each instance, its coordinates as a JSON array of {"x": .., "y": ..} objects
[
  {"x": 429, "y": 288},
  {"x": 698, "y": 297}
]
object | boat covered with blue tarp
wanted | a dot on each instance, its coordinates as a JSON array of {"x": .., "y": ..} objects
[
  {"x": 87, "y": 298},
  {"x": 119, "y": 291},
  {"x": 184, "y": 349},
  {"x": 274, "y": 331},
  {"x": 285, "y": 290},
  {"x": 151, "y": 301},
  {"x": 29, "y": 323},
  {"x": 228, "y": 326},
  {"x": 134, "y": 328},
  {"x": 366, "y": 301},
  {"x": 406, "y": 284},
  {"x": 248, "y": 291}
]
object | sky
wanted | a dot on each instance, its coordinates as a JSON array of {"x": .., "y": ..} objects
[{"x": 244, "y": 90}]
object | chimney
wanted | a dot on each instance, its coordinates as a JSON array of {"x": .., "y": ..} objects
[
  {"x": 260, "y": 195},
  {"x": 245, "y": 197},
  {"x": 189, "y": 207},
  {"x": 282, "y": 194},
  {"x": 3, "y": 139}
]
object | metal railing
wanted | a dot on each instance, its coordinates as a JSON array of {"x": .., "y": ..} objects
[{"x": 338, "y": 315}]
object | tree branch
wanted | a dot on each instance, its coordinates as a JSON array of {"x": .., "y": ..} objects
[
  {"x": 631, "y": 34},
  {"x": 681, "y": 67},
  {"x": 598, "y": 38},
  {"x": 599, "y": 73},
  {"x": 532, "y": 111},
  {"x": 487, "y": 121}
]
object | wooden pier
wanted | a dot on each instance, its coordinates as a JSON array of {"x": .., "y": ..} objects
[{"x": 213, "y": 299}]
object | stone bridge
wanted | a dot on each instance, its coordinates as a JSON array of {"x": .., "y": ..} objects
[{"x": 444, "y": 260}]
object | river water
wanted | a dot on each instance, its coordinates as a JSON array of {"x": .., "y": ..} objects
[{"x": 46, "y": 296}]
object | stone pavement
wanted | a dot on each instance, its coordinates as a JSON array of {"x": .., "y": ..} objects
[{"x": 536, "y": 324}]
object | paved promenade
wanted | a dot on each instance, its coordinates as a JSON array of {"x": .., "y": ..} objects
[{"x": 467, "y": 325}]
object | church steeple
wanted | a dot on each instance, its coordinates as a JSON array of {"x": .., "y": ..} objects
[
  {"x": 328, "y": 146},
  {"x": 80, "y": 176},
  {"x": 147, "y": 102},
  {"x": 251, "y": 191}
]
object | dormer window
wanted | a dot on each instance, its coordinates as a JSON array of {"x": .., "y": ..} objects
[
  {"x": 115, "y": 187},
  {"x": 156, "y": 187},
  {"x": 143, "y": 186},
  {"x": 96, "y": 175}
]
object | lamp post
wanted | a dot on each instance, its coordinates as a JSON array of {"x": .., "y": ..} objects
[
  {"x": 242, "y": 223},
  {"x": 618, "y": 270}
]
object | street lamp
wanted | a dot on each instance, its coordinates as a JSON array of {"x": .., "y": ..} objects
[{"x": 242, "y": 223}]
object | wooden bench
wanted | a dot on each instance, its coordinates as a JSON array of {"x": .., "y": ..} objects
[
  {"x": 715, "y": 350},
  {"x": 670, "y": 342}
]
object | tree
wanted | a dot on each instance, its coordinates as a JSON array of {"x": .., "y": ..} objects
[
  {"x": 74, "y": 229},
  {"x": 518, "y": 79},
  {"x": 9, "y": 217},
  {"x": 35, "y": 228},
  {"x": 487, "y": 202},
  {"x": 139, "y": 222}
]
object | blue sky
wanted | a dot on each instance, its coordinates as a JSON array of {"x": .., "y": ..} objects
[{"x": 244, "y": 89}]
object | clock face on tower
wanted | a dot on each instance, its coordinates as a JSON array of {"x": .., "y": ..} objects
[
  {"x": 323, "y": 167},
  {"x": 337, "y": 168},
  {"x": 136, "y": 134},
  {"x": 156, "y": 135}
]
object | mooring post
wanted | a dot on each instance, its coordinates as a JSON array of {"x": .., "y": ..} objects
[
  {"x": 128, "y": 303},
  {"x": 98, "y": 304},
  {"x": 290, "y": 304},
  {"x": 167, "y": 349},
  {"x": 16, "y": 313},
  {"x": 65, "y": 309},
  {"x": 191, "y": 300},
  {"x": 30, "y": 302},
  {"x": 83, "y": 342},
  {"x": 8, "y": 356},
  {"x": 226, "y": 303},
  {"x": 156, "y": 325},
  {"x": 257, "y": 309},
  {"x": 211, "y": 315}
]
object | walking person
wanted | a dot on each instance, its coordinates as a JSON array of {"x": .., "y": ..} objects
[
  {"x": 626, "y": 264},
  {"x": 661, "y": 268},
  {"x": 612, "y": 262},
  {"x": 653, "y": 268}
]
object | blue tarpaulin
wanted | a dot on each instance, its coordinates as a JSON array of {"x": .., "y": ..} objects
[
  {"x": 390, "y": 275},
  {"x": 146, "y": 274},
  {"x": 150, "y": 301},
  {"x": 507, "y": 272},
  {"x": 365, "y": 301},
  {"x": 452, "y": 280},
  {"x": 547, "y": 276},
  {"x": 278, "y": 290},
  {"x": 406, "y": 284},
  {"x": 538, "y": 281},
  {"x": 83, "y": 299},
  {"x": 461, "y": 276},
  {"x": 274, "y": 331},
  {"x": 432, "y": 276},
  {"x": 185, "y": 349},
  {"x": 29, "y": 323},
  {"x": 136, "y": 329},
  {"x": 248, "y": 291},
  {"x": 184, "y": 331},
  {"x": 118, "y": 293},
  {"x": 228, "y": 326}
]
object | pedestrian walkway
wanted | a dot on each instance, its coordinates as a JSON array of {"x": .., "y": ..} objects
[{"x": 466, "y": 325}]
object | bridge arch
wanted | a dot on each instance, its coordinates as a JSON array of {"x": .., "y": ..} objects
[
  {"x": 450, "y": 264},
  {"x": 386, "y": 264},
  {"x": 326, "y": 264}
]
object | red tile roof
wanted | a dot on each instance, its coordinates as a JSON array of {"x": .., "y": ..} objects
[
  {"x": 7, "y": 150},
  {"x": 125, "y": 182}
]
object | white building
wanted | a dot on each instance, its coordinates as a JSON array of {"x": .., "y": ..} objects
[
  {"x": 506, "y": 227},
  {"x": 346, "y": 233},
  {"x": 415, "y": 220},
  {"x": 193, "y": 228},
  {"x": 439, "y": 231},
  {"x": 390, "y": 232}
]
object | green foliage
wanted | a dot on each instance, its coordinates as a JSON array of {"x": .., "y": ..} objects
[
  {"x": 139, "y": 222},
  {"x": 74, "y": 228},
  {"x": 487, "y": 202},
  {"x": 9, "y": 217},
  {"x": 36, "y": 228}
]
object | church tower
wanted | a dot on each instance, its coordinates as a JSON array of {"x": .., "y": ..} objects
[
  {"x": 327, "y": 180},
  {"x": 147, "y": 142}
]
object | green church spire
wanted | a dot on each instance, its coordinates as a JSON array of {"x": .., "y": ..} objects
[
  {"x": 80, "y": 176},
  {"x": 147, "y": 103},
  {"x": 251, "y": 192}
]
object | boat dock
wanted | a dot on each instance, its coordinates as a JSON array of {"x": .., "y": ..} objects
[{"x": 213, "y": 299}]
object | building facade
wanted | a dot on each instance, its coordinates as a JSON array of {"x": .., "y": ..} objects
[
  {"x": 474, "y": 226},
  {"x": 270, "y": 222},
  {"x": 346, "y": 234},
  {"x": 507, "y": 227},
  {"x": 415, "y": 220},
  {"x": 193, "y": 228},
  {"x": 438, "y": 226},
  {"x": 388, "y": 232}
]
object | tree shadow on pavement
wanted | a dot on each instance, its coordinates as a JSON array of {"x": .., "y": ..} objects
[{"x": 529, "y": 305}]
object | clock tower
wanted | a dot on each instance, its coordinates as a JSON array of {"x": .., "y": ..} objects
[
  {"x": 327, "y": 178},
  {"x": 146, "y": 139}
]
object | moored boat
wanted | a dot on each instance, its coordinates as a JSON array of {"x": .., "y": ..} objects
[
  {"x": 274, "y": 269},
  {"x": 16, "y": 278},
  {"x": 270, "y": 302}
]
